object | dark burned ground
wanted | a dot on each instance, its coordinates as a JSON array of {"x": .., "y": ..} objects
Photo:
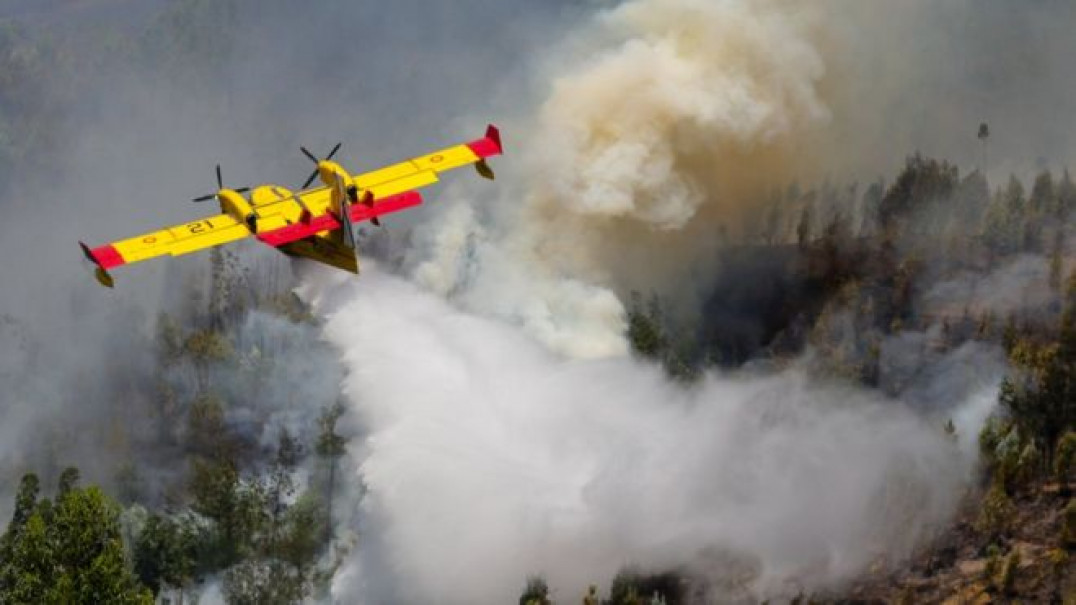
[
  {"x": 952, "y": 569},
  {"x": 763, "y": 298}
]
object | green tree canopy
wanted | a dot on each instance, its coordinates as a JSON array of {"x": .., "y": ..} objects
[{"x": 70, "y": 551}]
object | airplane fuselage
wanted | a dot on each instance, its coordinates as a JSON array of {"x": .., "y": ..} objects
[
  {"x": 340, "y": 184},
  {"x": 343, "y": 192}
]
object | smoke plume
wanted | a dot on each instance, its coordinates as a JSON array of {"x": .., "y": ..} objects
[
  {"x": 490, "y": 458},
  {"x": 661, "y": 122},
  {"x": 673, "y": 115}
]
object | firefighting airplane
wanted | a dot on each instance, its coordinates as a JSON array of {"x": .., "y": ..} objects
[{"x": 313, "y": 223}]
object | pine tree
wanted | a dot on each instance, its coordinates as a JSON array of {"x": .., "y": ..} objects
[
  {"x": 1066, "y": 196},
  {"x": 70, "y": 551},
  {"x": 645, "y": 332},
  {"x": 165, "y": 552},
  {"x": 281, "y": 485},
  {"x": 803, "y": 228},
  {"x": 330, "y": 447}
]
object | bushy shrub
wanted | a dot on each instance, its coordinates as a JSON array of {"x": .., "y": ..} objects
[
  {"x": 1008, "y": 574},
  {"x": 1063, "y": 459},
  {"x": 995, "y": 517},
  {"x": 536, "y": 592},
  {"x": 993, "y": 561},
  {"x": 1068, "y": 525},
  {"x": 1009, "y": 454}
]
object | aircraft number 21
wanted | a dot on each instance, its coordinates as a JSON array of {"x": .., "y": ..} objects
[{"x": 199, "y": 227}]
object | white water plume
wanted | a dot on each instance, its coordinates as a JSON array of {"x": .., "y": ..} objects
[{"x": 488, "y": 459}]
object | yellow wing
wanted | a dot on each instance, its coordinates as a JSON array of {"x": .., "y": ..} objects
[
  {"x": 409, "y": 174},
  {"x": 423, "y": 170},
  {"x": 174, "y": 241}
]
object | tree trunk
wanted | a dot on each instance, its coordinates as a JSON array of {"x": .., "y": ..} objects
[{"x": 329, "y": 501}]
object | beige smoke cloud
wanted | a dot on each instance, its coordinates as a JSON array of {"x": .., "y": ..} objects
[
  {"x": 663, "y": 121},
  {"x": 691, "y": 93}
]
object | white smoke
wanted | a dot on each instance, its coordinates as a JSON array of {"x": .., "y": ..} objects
[{"x": 489, "y": 459}]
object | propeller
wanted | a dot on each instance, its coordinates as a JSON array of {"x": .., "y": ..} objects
[
  {"x": 316, "y": 161},
  {"x": 220, "y": 186}
]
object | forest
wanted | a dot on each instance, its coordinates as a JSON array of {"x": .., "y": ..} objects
[
  {"x": 846, "y": 275},
  {"x": 197, "y": 493}
]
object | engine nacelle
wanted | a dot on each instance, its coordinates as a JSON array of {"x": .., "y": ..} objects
[
  {"x": 234, "y": 205},
  {"x": 341, "y": 186}
]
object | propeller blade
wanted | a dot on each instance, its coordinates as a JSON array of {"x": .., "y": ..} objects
[
  {"x": 220, "y": 181},
  {"x": 308, "y": 154},
  {"x": 205, "y": 198},
  {"x": 333, "y": 152},
  {"x": 313, "y": 175}
]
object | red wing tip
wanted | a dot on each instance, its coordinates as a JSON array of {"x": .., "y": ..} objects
[
  {"x": 99, "y": 257},
  {"x": 105, "y": 257},
  {"x": 489, "y": 145}
]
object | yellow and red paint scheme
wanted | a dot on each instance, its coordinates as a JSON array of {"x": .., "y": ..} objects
[{"x": 279, "y": 217}]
